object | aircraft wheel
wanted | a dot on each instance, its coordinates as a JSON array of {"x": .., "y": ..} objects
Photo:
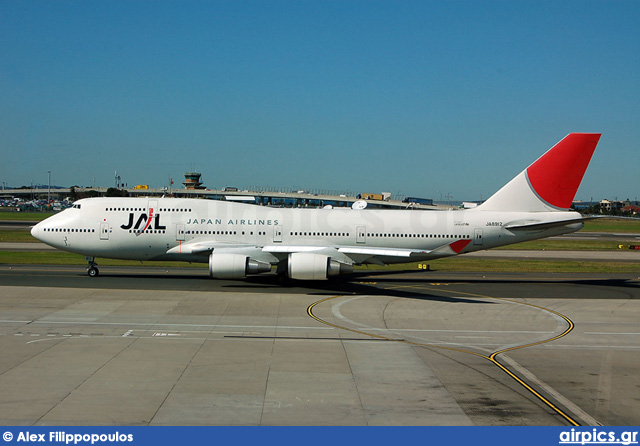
[{"x": 92, "y": 271}]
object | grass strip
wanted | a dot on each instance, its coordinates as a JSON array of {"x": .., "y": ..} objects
[
  {"x": 565, "y": 245},
  {"x": 627, "y": 226},
  {"x": 24, "y": 216}
]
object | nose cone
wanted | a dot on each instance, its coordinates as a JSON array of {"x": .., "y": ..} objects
[{"x": 35, "y": 231}]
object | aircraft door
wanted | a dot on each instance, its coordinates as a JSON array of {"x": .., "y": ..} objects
[
  {"x": 152, "y": 209},
  {"x": 277, "y": 234},
  {"x": 477, "y": 236},
  {"x": 104, "y": 230},
  {"x": 180, "y": 233},
  {"x": 361, "y": 234}
]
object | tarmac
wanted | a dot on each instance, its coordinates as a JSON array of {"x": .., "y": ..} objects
[{"x": 157, "y": 346}]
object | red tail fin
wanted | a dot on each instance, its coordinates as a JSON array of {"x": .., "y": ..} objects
[
  {"x": 556, "y": 175},
  {"x": 551, "y": 182}
]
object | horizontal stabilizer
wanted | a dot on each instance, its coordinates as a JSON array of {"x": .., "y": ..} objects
[{"x": 542, "y": 225}]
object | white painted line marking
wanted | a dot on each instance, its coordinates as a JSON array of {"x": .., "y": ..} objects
[
  {"x": 156, "y": 324},
  {"x": 464, "y": 331}
]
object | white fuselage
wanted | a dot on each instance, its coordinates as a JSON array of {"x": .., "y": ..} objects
[{"x": 121, "y": 228}]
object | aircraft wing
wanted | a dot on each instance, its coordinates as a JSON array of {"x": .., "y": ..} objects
[
  {"x": 202, "y": 247},
  {"x": 345, "y": 254},
  {"x": 345, "y": 249},
  {"x": 386, "y": 252},
  {"x": 365, "y": 254}
]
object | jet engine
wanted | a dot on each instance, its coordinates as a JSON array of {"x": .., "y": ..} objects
[
  {"x": 309, "y": 266},
  {"x": 235, "y": 266}
]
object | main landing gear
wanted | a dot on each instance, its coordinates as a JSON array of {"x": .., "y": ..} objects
[{"x": 92, "y": 269}]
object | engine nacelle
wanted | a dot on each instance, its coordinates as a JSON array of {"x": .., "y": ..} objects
[
  {"x": 308, "y": 266},
  {"x": 235, "y": 266}
]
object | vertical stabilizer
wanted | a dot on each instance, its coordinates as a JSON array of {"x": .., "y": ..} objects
[{"x": 551, "y": 182}]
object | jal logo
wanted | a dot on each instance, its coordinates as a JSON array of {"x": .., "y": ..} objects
[{"x": 143, "y": 222}]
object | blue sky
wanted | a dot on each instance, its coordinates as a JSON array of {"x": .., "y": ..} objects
[{"x": 413, "y": 97}]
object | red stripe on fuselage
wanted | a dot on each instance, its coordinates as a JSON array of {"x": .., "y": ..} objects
[
  {"x": 459, "y": 245},
  {"x": 148, "y": 221}
]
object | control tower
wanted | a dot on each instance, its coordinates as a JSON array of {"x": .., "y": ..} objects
[{"x": 192, "y": 181}]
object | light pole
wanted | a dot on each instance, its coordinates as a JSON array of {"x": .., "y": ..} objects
[{"x": 49, "y": 189}]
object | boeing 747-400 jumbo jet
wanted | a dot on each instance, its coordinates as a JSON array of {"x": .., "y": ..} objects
[{"x": 314, "y": 244}]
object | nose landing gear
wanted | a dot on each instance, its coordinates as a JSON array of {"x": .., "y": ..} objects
[{"x": 92, "y": 270}]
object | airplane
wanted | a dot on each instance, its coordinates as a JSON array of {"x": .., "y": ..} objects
[{"x": 239, "y": 239}]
